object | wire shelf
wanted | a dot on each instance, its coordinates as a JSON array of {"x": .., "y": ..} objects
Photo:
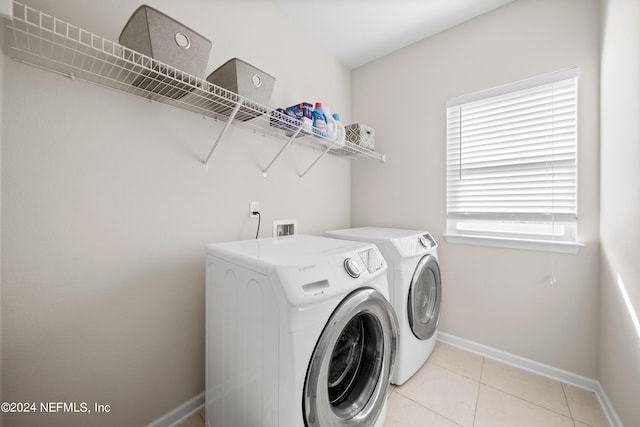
[{"x": 46, "y": 42}]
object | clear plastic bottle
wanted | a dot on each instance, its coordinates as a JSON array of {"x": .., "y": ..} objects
[
  {"x": 319, "y": 121},
  {"x": 332, "y": 127},
  {"x": 340, "y": 131}
]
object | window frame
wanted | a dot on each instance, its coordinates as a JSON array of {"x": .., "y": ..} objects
[{"x": 542, "y": 231}]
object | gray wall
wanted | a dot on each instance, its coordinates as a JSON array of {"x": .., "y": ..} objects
[
  {"x": 620, "y": 207},
  {"x": 498, "y": 297},
  {"x": 106, "y": 211}
]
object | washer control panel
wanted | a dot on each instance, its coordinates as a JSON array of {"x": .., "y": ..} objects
[
  {"x": 369, "y": 260},
  {"x": 352, "y": 267},
  {"x": 372, "y": 260}
]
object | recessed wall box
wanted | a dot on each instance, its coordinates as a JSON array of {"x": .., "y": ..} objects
[{"x": 285, "y": 227}]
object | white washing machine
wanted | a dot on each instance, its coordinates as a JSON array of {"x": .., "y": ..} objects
[
  {"x": 299, "y": 332},
  {"x": 415, "y": 287}
]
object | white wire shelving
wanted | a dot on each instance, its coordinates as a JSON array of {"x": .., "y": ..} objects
[{"x": 46, "y": 42}]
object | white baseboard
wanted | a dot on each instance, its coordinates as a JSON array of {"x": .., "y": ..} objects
[
  {"x": 538, "y": 368},
  {"x": 179, "y": 413},
  {"x": 607, "y": 407}
]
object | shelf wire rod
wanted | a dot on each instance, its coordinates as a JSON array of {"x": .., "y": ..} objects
[
  {"x": 318, "y": 159},
  {"x": 295, "y": 134},
  {"x": 224, "y": 130}
]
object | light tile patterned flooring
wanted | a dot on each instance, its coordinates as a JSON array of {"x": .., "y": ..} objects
[{"x": 456, "y": 388}]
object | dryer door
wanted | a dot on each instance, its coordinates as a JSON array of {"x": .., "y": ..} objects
[
  {"x": 349, "y": 371},
  {"x": 425, "y": 295}
]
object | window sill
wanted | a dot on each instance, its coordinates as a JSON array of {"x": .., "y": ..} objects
[{"x": 513, "y": 243}]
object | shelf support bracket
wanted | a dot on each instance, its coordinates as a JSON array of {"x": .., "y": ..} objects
[
  {"x": 295, "y": 134},
  {"x": 318, "y": 159},
  {"x": 205, "y": 164}
]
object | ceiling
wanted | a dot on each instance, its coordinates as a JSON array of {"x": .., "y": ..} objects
[{"x": 359, "y": 31}]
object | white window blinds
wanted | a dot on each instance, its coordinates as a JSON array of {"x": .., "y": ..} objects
[{"x": 511, "y": 151}]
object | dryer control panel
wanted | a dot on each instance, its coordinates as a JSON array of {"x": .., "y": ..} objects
[
  {"x": 427, "y": 241},
  {"x": 416, "y": 244}
]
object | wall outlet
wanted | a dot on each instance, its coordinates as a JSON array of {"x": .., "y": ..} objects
[
  {"x": 285, "y": 227},
  {"x": 253, "y": 207}
]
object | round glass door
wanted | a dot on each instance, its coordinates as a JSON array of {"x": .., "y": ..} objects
[
  {"x": 425, "y": 295},
  {"x": 349, "y": 372}
]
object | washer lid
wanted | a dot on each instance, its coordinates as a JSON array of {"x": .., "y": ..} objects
[{"x": 259, "y": 254}]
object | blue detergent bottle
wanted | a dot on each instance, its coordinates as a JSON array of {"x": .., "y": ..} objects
[{"x": 319, "y": 121}]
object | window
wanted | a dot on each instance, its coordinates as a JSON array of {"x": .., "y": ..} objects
[{"x": 512, "y": 165}]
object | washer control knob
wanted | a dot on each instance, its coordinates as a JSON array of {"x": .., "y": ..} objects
[
  {"x": 352, "y": 267},
  {"x": 424, "y": 242}
]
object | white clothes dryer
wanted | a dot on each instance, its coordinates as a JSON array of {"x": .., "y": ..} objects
[
  {"x": 415, "y": 286},
  {"x": 299, "y": 332}
]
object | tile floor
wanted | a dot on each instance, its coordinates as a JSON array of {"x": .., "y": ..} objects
[{"x": 456, "y": 388}]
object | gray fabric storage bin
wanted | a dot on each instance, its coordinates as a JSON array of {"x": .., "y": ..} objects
[
  {"x": 361, "y": 135},
  {"x": 247, "y": 81},
  {"x": 160, "y": 37}
]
